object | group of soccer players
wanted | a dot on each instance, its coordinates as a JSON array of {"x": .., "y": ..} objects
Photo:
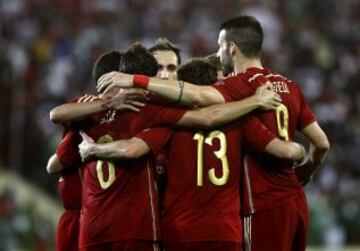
[{"x": 233, "y": 175}]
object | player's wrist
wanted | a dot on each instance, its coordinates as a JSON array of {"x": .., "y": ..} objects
[
  {"x": 141, "y": 81},
  {"x": 304, "y": 157}
]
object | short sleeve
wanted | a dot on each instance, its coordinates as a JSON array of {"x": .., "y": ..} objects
[
  {"x": 67, "y": 151},
  {"x": 256, "y": 133},
  {"x": 155, "y": 138},
  {"x": 233, "y": 88},
  {"x": 306, "y": 116}
]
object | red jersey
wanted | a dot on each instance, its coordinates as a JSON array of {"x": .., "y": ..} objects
[
  {"x": 269, "y": 181},
  {"x": 202, "y": 201},
  {"x": 120, "y": 200},
  {"x": 69, "y": 186}
]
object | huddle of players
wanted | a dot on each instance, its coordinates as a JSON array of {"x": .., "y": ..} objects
[{"x": 111, "y": 175}]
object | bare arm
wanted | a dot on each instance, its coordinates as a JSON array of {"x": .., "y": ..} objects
[
  {"x": 216, "y": 115},
  {"x": 319, "y": 143},
  {"x": 54, "y": 165},
  {"x": 124, "y": 99},
  {"x": 319, "y": 147},
  {"x": 285, "y": 149},
  {"x": 191, "y": 94},
  {"x": 71, "y": 112},
  {"x": 120, "y": 149}
]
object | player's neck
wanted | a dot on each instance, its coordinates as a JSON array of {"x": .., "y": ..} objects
[{"x": 243, "y": 64}]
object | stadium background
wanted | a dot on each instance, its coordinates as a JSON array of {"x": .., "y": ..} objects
[{"x": 47, "y": 49}]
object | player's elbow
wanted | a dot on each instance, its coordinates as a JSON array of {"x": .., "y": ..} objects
[
  {"x": 53, "y": 165},
  {"x": 323, "y": 145},
  {"x": 48, "y": 169},
  {"x": 197, "y": 100},
  {"x": 198, "y": 97},
  {"x": 55, "y": 116}
]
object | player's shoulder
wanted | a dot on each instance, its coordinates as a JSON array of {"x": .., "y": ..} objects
[
  {"x": 272, "y": 75},
  {"x": 231, "y": 80},
  {"x": 277, "y": 77}
]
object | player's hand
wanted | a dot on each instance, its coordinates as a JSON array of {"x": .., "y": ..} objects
[
  {"x": 267, "y": 99},
  {"x": 114, "y": 79},
  {"x": 86, "y": 146},
  {"x": 87, "y": 98},
  {"x": 305, "y": 173},
  {"x": 128, "y": 99}
]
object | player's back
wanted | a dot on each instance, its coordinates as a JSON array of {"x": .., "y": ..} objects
[
  {"x": 272, "y": 180},
  {"x": 120, "y": 200},
  {"x": 119, "y": 197},
  {"x": 202, "y": 194}
]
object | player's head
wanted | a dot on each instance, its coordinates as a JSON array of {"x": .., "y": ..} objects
[
  {"x": 138, "y": 60},
  {"x": 215, "y": 60},
  {"x": 168, "y": 58},
  {"x": 241, "y": 36},
  {"x": 107, "y": 62},
  {"x": 198, "y": 71}
]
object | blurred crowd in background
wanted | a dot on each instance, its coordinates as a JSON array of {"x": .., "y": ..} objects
[{"x": 47, "y": 49}]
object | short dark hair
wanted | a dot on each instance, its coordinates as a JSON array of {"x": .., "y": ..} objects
[
  {"x": 163, "y": 44},
  {"x": 138, "y": 60},
  {"x": 105, "y": 63},
  {"x": 246, "y": 33},
  {"x": 214, "y": 60},
  {"x": 198, "y": 71}
]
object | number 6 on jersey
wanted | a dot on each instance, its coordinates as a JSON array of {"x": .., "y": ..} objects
[{"x": 105, "y": 184}]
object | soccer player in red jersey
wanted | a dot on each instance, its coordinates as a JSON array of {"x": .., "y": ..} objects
[
  {"x": 202, "y": 208},
  {"x": 151, "y": 115},
  {"x": 69, "y": 186},
  {"x": 167, "y": 56},
  {"x": 240, "y": 41},
  {"x": 119, "y": 210}
]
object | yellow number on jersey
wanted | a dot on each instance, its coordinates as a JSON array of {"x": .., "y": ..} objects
[
  {"x": 220, "y": 154},
  {"x": 282, "y": 120},
  {"x": 99, "y": 166}
]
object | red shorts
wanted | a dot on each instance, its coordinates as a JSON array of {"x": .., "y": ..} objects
[
  {"x": 281, "y": 228},
  {"x": 67, "y": 231},
  {"x": 131, "y": 245},
  {"x": 202, "y": 246}
]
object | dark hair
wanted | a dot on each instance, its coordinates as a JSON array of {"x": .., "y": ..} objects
[
  {"x": 138, "y": 60},
  {"x": 163, "y": 44},
  {"x": 198, "y": 71},
  {"x": 246, "y": 33},
  {"x": 214, "y": 60},
  {"x": 106, "y": 63}
]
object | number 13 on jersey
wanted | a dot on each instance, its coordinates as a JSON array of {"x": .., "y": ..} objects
[{"x": 220, "y": 154}]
